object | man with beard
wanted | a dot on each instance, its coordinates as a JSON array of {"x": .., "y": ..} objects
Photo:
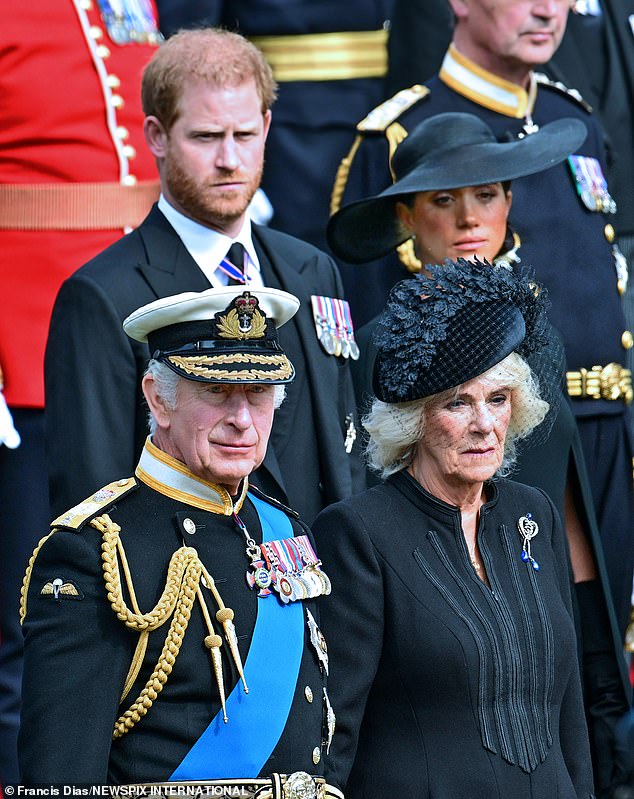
[{"x": 207, "y": 95}]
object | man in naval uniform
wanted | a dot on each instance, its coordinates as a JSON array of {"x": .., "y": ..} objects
[
  {"x": 170, "y": 619},
  {"x": 206, "y": 95},
  {"x": 564, "y": 220}
]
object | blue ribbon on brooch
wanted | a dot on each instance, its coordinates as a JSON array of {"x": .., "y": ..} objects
[{"x": 528, "y": 529}]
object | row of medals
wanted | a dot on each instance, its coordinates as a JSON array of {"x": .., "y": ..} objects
[
  {"x": 307, "y": 583},
  {"x": 337, "y": 341}
]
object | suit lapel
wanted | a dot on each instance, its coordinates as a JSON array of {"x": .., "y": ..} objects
[
  {"x": 169, "y": 268},
  {"x": 322, "y": 370}
]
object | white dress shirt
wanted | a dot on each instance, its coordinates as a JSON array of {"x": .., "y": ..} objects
[{"x": 208, "y": 247}]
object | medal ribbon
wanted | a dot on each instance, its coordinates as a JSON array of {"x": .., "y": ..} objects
[
  {"x": 240, "y": 748},
  {"x": 233, "y": 271}
]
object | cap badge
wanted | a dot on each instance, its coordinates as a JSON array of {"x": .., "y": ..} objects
[{"x": 244, "y": 320}]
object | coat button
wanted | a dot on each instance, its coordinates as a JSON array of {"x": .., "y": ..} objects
[
  {"x": 627, "y": 340},
  {"x": 189, "y": 526},
  {"x": 308, "y": 693},
  {"x": 608, "y": 232},
  {"x": 316, "y": 755}
]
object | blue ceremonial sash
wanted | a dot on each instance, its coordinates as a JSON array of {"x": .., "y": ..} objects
[{"x": 241, "y": 747}]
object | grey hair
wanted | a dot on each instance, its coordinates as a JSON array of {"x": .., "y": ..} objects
[
  {"x": 396, "y": 428},
  {"x": 166, "y": 383}
]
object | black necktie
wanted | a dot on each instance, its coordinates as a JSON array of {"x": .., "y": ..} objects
[{"x": 236, "y": 257}]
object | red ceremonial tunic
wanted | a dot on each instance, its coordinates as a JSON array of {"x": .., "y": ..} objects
[{"x": 70, "y": 113}]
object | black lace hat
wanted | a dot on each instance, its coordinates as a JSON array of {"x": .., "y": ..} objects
[
  {"x": 222, "y": 335},
  {"x": 439, "y": 331},
  {"x": 447, "y": 151}
]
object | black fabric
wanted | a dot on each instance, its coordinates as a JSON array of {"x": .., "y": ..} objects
[
  {"x": 235, "y": 255},
  {"x": 96, "y": 415},
  {"x": 603, "y": 687},
  {"x": 86, "y": 643},
  {"x": 439, "y": 331},
  {"x": 26, "y": 515},
  {"x": 436, "y": 653}
]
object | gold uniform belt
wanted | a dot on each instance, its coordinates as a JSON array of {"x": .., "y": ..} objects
[
  {"x": 611, "y": 382},
  {"x": 298, "y": 785},
  {"x": 326, "y": 56},
  {"x": 75, "y": 206}
]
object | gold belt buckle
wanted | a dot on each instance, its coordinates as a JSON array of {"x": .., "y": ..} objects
[
  {"x": 611, "y": 382},
  {"x": 616, "y": 383}
]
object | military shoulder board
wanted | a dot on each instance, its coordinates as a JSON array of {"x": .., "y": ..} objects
[
  {"x": 544, "y": 80},
  {"x": 388, "y": 112},
  {"x": 99, "y": 502}
]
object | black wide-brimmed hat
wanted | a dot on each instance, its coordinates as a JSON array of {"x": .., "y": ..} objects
[
  {"x": 447, "y": 151},
  {"x": 222, "y": 335},
  {"x": 440, "y": 330}
]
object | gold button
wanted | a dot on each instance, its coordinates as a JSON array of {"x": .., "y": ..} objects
[
  {"x": 608, "y": 230},
  {"x": 316, "y": 755},
  {"x": 103, "y": 51},
  {"x": 189, "y": 526},
  {"x": 627, "y": 340},
  {"x": 113, "y": 82},
  {"x": 116, "y": 101},
  {"x": 95, "y": 32},
  {"x": 122, "y": 483},
  {"x": 621, "y": 286},
  {"x": 129, "y": 180},
  {"x": 129, "y": 151},
  {"x": 122, "y": 133},
  {"x": 308, "y": 693}
]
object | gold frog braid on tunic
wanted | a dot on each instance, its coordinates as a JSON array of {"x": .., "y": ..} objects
[{"x": 185, "y": 574}]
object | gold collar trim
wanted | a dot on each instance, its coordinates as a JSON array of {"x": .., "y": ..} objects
[
  {"x": 170, "y": 477},
  {"x": 483, "y": 87}
]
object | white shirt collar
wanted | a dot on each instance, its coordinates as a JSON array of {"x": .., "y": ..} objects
[{"x": 208, "y": 247}]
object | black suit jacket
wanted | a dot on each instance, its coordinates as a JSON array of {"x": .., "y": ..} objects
[{"x": 95, "y": 412}]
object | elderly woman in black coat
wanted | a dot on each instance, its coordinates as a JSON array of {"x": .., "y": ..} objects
[
  {"x": 451, "y": 198},
  {"x": 453, "y": 651}
]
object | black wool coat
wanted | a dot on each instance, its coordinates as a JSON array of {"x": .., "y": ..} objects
[{"x": 445, "y": 686}]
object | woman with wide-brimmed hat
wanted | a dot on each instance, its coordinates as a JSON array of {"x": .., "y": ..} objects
[
  {"x": 451, "y": 198},
  {"x": 453, "y": 667}
]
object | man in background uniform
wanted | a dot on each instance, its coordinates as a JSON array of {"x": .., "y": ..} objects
[
  {"x": 74, "y": 176},
  {"x": 136, "y": 608}
]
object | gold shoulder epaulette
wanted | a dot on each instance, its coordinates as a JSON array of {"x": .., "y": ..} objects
[
  {"x": 381, "y": 119},
  {"x": 99, "y": 502},
  {"x": 543, "y": 80},
  {"x": 383, "y": 115}
]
